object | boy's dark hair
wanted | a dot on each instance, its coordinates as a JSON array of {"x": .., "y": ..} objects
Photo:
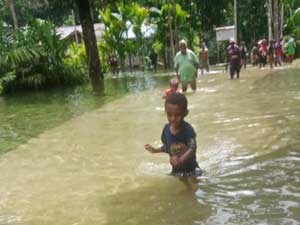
[{"x": 177, "y": 99}]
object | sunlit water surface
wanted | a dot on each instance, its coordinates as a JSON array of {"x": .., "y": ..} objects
[{"x": 89, "y": 167}]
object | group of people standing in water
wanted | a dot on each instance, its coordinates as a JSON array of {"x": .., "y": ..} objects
[
  {"x": 264, "y": 52},
  {"x": 187, "y": 63},
  {"x": 274, "y": 52}
]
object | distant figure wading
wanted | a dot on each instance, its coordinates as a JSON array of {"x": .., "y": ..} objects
[
  {"x": 186, "y": 64},
  {"x": 203, "y": 58},
  {"x": 233, "y": 55}
]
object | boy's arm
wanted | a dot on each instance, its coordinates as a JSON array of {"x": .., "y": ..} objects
[{"x": 151, "y": 149}]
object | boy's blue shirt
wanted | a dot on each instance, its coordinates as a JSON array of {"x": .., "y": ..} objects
[{"x": 185, "y": 134}]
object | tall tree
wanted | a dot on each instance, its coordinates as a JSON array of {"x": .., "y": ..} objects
[
  {"x": 170, "y": 22},
  {"x": 269, "y": 13},
  {"x": 95, "y": 71},
  {"x": 276, "y": 18},
  {"x": 11, "y": 4}
]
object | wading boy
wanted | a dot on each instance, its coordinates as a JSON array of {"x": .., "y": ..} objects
[{"x": 180, "y": 135}]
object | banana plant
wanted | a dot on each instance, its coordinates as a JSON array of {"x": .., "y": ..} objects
[
  {"x": 113, "y": 38},
  {"x": 138, "y": 18},
  {"x": 292, "y": 15}
]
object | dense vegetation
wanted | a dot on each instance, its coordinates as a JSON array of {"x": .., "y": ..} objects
[{"x": 32, "y": 55}]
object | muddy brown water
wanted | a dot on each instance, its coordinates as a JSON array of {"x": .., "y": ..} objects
[{"x": 92, "y": 168}]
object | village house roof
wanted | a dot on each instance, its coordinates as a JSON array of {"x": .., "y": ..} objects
[{"x": 69, "y": 31}]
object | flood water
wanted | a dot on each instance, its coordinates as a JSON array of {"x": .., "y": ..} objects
[{"x": 73, "y": 158}]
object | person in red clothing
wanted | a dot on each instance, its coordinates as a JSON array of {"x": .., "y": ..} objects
[
  {"x": 173, "y": 88},
  {"x": 263, "y": 52},
  {"x": 278, "y": 52}
]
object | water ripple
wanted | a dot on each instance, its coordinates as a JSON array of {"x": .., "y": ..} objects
[{"x": 9, "y": 219}]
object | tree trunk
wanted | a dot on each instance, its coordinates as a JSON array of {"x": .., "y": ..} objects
[
  {"x": 11, "y": 4},
  {"x": 276, "y": 15},
  {"x": 89, "y": 37},
  {"x": 75, "y": 30},
  {"x": 269, "y": 12},
  {"x": 235, "y": 21},
  {"x": 171, "y": 34},
  {"x": 175, "y": 28},
  {"x": 281, "y": 20}
]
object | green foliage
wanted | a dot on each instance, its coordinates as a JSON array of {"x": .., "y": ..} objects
[
  {"x": 206, "y": 14},
  {"x": 42, "y": 77},
  {"x": 22, "y": 56},
  {"x": 138, "y": 17},
  {"x": 158, "y": 47},
  {"x": 55, "y": 10},
  {"x": 293, "y": 23},
  {"x": 33, "y": 58},
  {"x": 297, "y": 53},
  {"x": 103, "y": 50},
  {"x": 76, "y": 56},
  {"x": 253, "y": 21},
  {"x": 17, "y": 51},
  {"x": 44, "y": 32},
  {"x": 162, "y": 36},
  {"x": 116, "y": 29},
  {"x": 69, "y": 21},
  {"x": 292, "y": 14},
  {"x": 297, "y": 16}
]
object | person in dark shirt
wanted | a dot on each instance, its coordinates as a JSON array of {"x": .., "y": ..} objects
[
  {"x": 271, "y": 53},
  {"x": 113, "y": 63},
  {"x": 153, "y": 59},
  {"x": 177, "y": 133},
  {"x": 234, "y": 58},
  {"x": 254, "y": 55},
  {"x": 244, "y": 54}
]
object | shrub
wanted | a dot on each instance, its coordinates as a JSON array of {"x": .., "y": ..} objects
[{"x": 32, "y": 58}]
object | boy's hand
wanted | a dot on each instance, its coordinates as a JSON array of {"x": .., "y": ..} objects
[
  {"x": 176, "y": 161},
  {"x": 149, "y": 148}
]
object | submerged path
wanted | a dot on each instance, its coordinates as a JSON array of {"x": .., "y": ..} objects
[{"x": 93, "y": 169}]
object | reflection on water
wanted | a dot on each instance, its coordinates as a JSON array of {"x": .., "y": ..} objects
[{"x": 90, "y": 167}]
